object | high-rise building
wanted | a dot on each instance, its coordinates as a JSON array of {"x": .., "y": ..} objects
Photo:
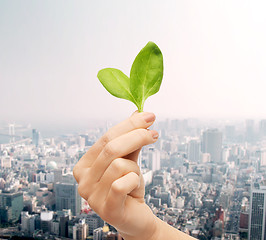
[
  {"x": 93, "y": 220},
  {"x": 80, "y": 230},
  {"x": 11, "y": 205},
  {"x": 250, "y": 130},
  {"x": 35, "y": 137},
  {"x": 63, "y": 225},
  {"x": 67, "y": 197},
  {"x": 262, "y": 128},
  {"x": 27, "y": 222},
  {"x": 46, "y": 220},
  {"x": 11, "y": 131},
  {"x": 230, "y": 133},
  {"x": 257, "y": 215},
  {"x": 194, "y": 151},
  {"x": 97, "y": 233},
  {"x": 263, "y": 158},
  {"x": 154, "y": 159},
  {"x": 212, "y": 144}
]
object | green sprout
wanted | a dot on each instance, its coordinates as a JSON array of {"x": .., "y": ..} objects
[{"x": 145, "y": 77}]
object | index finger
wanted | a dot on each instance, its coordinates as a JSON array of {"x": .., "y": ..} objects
[{"x": 136, "y": 121}]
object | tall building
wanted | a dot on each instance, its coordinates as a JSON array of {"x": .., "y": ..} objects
[
  {"x": 63, "y": 225},
  {"x": 93, "y": 220},
  {"x": 46, "y": 220},
  {"x": 154, "y": 159},
  {"x": 97, "y": 233},
  {"x": 11, "y": 205},
  {"x": 263, "y": 158},
  {"x": 212, "y": 144},
  {"x": 80, "y": 230},
  {"x": 230, "y": 133},
  {"x": 35, "y": 137},
  {"x": 27, "y": 222},
  {"x": 11, "y": 131},
  {"x": 194, "y": 151},
  {"x": 257, "y": 215},
  {"x": 67, "y": 197},
  {"x": 262, "y": 127},
  {"x": 250, "y": 130}
]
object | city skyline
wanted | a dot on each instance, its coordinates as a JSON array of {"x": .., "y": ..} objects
[
  {"x": 51, "y": 52},
  {"x": 199, "y": 181}
]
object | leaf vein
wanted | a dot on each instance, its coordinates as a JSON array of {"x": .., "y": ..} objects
[{"x": 123, "y": 86}]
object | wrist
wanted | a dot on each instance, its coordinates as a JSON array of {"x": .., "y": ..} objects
[
  {"x": 148, "y": 229},
  {"x": 165, "y": 231}
]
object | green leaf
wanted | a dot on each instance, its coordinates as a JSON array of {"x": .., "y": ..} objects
[
  {"x": 145, "y": 77},
  {"x": 116, "y": 83},
  {"x": 146, "y": 73}
]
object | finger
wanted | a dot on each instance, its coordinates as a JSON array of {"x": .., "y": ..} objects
[
  {"x": 119, "y": 190},
  {"x": 118, "y": 168},
  {"x": 86, "y": 184},
  {"x": 122, "y": 146},
  {"x": 134, "y": 155},
  {"x": 139, "y": 192},
  {"x": 136, "y": 121}
]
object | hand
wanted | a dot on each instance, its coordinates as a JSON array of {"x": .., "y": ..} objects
[{"x": 110, "y": 179}]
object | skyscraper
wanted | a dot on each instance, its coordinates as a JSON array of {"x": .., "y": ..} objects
[
  {"x": 35, "y": 137},
  {"x": 212, "y": 144},
  {"x": 11, "y": 205},
  {"x": 80, "y": 230},
  {"x": 262, "y": 127},
  {"x": 154, "y": 159},
  {"x": 194, "y": 151},
  {"x": 230, "y": 133},
  {"x": 250, "y": 130},
  {"x": 257, "y": 215},
  {"x": 67, "y": 197}
]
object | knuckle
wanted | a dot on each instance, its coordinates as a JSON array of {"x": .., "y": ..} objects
[
  {"x": 85, "y": 187},
  {"x": 124, "y": 166},
  {"x": 105, "y": 139},
  {"x": 109, "y": 150},
  {"x": 143, "y": 134},
  {"x": 77, "y": 172},
  {"x": 132, "y": 122},
  {"x": 117, "y": 188},
  {"x": 117, "y": 165},
  {"x": 82, "y": 190}
]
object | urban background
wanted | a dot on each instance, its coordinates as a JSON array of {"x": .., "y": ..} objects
[{"x": 204, "y": 176}]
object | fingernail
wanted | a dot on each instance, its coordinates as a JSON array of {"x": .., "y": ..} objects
[
  {"x": 154, "y": 134},
  {"x": 149, "y": 117}
]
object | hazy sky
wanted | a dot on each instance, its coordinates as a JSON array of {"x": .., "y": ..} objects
[{"x": 50, "y": 53}]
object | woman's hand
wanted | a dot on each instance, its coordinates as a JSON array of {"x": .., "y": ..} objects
[{"x": 110, "y": 179}]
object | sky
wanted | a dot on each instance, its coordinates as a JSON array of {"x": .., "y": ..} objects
[{"x": 51, "y": 51}]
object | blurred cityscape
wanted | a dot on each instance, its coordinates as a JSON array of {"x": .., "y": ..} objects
[{"x": 205, "y": 178}]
